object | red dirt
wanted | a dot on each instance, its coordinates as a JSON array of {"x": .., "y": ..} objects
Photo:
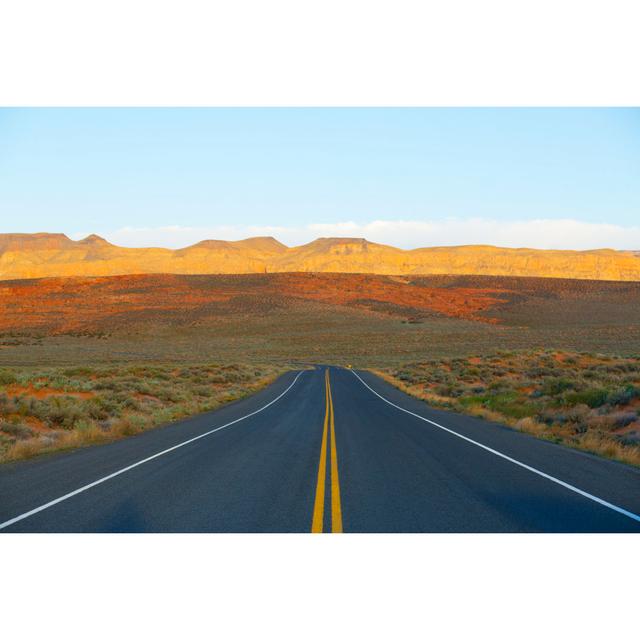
[
  {"x": 630, "y": 428},
  {"x": 34, "y": 423},
  {"x": 16, "y": 390},
  {"x": 66, "y": 305}
]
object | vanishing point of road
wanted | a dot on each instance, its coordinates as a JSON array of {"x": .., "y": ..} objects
[{"x": 323, "y": 450}]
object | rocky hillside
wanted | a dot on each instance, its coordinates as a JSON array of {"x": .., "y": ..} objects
[{"x": 45, "y": 255}]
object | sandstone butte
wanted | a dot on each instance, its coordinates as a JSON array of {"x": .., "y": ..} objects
[{"x": 41, "y": 255}]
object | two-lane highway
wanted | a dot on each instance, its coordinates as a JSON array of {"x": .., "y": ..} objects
[{"x": 323, "y": 450}]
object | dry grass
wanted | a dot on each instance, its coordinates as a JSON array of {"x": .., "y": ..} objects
[
  {"x": 586, "y": 401},
  {"x": 44, "y": 410}
]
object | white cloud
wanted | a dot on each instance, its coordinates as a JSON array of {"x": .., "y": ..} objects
[{"x": 540, "y": 234}]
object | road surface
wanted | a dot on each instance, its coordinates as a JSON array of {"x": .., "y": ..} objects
[{"x": 323, "y": 450}]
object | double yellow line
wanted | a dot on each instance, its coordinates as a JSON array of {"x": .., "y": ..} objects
[{"x": 317, "y": 523}]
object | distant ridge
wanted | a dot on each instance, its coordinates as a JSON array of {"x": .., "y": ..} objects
[{"x": 39, "y": 255}]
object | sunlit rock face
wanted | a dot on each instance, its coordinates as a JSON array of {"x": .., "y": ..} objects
[{"x": 50, "y": 254}]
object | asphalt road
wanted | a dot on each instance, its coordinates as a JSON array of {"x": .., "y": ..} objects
[{"x": 324, "y": 450}]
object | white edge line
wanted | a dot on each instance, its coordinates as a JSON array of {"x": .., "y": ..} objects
[
  {"x": 600, "y": 501},
  {"x": 66, "y": 496}
]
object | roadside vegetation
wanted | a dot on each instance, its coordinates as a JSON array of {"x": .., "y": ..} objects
[
  {"x": 583, "y": 400},
  {"x": 44, "y": 410}
]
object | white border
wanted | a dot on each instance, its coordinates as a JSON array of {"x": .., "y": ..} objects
[
  {"x": 335, "y": 52},
  {"x": 304, "y": 586}
]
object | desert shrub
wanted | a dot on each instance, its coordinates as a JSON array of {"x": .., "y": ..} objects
[
  {"x": 444, "y": 390},
  {"x": 56, "y": 382},
  {"x": 7, "y": 377},
  {"x": 128, "y": 426},
  {"x": 27, "y": 448},
  {"x": 623, "y": 396},
  {"x": 600, "y": 422},
  {"x": 539, "y": 372},
  {"x": 64, "y": 412},
  {"x": 169, "y": 394},
  {"x": 512, "y": 407},
  {"x": 5, "y": 402},
  {"x": 594, "y": 397},
  {"x": 28, "y": 406},
  {"x": 550, "y": 416},
  {"x": 508, "y": 404},
  {"x": 17, "y": 430},
  {"x": 84, "y": 425},
  {"x": 529, "y": 425},
  {"x": 623, "y": 418},
  {"x": 130, "y": 404},
  {"x": 622, "y": 367},
  {"x": 577, "y": 413},
  {"x": 107, "y": 425},
  {"x": 99, "y": 408},
  {"x": 103, "y": 385},
  {"x": 163, "y": 415},
  {"x": 555, "y": 386},
  {"x": 222, "y": 378},
  {"x": 138, "y": 422},
  {"x": 160, "y": 376},
  {"x": 78, "y": 371},
  {"x": 469, "y": 401},
  {"x": 203, "y": 390}
]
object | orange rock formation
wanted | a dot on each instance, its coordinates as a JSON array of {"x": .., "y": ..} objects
[{"x": 45, "y": 255}]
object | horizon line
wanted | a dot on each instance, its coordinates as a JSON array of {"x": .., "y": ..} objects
[{"x": 296, "y": 246}]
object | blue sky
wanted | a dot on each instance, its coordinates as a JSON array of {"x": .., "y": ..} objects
[{"x": 411, "y": 177}]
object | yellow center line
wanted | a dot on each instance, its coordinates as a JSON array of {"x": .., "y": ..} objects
[
  {"x": 336, "y": 510},
  {"x": 318, "y": 507},
  {"x": 317, "y": 524}
]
